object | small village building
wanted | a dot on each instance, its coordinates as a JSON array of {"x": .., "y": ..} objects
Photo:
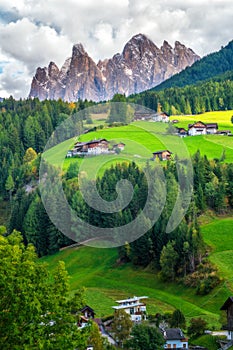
[
  {"x": 175, "y": 339},
  {"x": 228, "y": 307},
  {"x": 135, "y": 307},
  {"x": 87, "y": 312},
  {"x": 196, "y": 129},
  {"x": 181, "y": 132},
  {"x": 162, "y": 155},
  {"x": 211, "y": 128},
  {"x": 69, "y": 154},
  {"x": 200, "y": 128},
  {"x": 93, "y": 147},
  {"x": 120, "y": 145},
  {"x": 160, "y": 117},
  {"x": 150, "y": 116},
  {"x": 142, "y": 115},
  {"x": 224, "y": 132}
]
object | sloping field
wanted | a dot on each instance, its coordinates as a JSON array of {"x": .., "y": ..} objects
[{"x": 106, "y": 281}]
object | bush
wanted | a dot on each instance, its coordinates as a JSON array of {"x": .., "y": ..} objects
[{"x": 204, "y": 279}]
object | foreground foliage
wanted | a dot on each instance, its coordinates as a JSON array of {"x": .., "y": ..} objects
[
  {"x": 35, "y": 312},
  {"x": 145, "y": 337}
]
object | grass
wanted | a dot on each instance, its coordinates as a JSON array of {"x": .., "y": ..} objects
[
  {"x": 219, "y": 236},
  {"x": 96, "y": 269},
  {"x": 106, "y": 281},
  {"x": 208, "y": 341},
  {"x": 223, "y": 118},
  {"x": 141, "y": 139}
]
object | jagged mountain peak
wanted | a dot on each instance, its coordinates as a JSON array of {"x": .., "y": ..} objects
[
  {"x": 78, "y": 49},
  {"x": 139, "y": 38},
  {"x": 166, "y": 45},
  {"x": 141, "y": 66}
]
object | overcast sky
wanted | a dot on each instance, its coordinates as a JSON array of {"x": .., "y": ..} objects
[{"x": 35, "y": 32}]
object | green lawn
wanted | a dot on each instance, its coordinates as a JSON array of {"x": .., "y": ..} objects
[
  {"x": 106, "y": 281},
  {"x": 223, "y": 118},
  {"x": 141, "y": 139},
  {"x": 219, "y": 236}
]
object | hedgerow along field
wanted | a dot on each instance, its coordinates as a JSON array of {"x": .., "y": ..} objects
[{"x": 106, "y": 280}]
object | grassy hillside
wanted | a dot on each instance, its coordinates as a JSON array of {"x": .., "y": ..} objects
[
  {"x": 107, "y": 281},
  {"x": 143, "y": 138},
  {"x": 223, "y": 118},
  {"x": 219, "y": 236}
]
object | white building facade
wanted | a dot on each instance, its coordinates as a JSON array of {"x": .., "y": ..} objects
[{"x": 135, "y": 307}]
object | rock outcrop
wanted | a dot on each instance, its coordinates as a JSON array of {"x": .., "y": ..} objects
[{"x": 141, "y": 66}]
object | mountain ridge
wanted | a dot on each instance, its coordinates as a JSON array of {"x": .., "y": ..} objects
[
  {"x": 140, "y": 66},
  {"x": 206, "y": 68}
]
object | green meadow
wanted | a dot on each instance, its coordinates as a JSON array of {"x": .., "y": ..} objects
[
  {"x": 106, "y": 281},
  {"x": 219, "y": 236},
  {"x": 97, "y": 269},
  {"x": 142, "y": 139},
  {"x": 223, "y": 118}
]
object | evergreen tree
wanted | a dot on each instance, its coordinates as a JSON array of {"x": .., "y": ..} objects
[
  {"x": 168, "y": 262},
  {"x": 178, "y": 319}
]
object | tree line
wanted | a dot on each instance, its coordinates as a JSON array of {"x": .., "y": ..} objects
[
  {"x": 213, "y": 95},
  {"x": 179, "y": 254}
]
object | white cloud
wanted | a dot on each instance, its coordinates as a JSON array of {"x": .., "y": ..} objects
[{"x": 35, "y": 32}]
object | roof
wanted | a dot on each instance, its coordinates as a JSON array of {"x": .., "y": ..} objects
[
  {"x": 90, "y": 142},
  {"x": 227, "y": 303},
  {"x": 203, "y": 125},
  {"x": 164, "y": 150},
  {"x": 131, "y": 299},
  {"x": 212, "y": 125},
  {"x": 120, "y": 143},
  {"x": 180, "y": 129},
  {"x": 119, "y": 307},
  {"x": 173, "y": 334},
  {"x": 161, "y": 113},
  {"x": 86, "y": 307}
]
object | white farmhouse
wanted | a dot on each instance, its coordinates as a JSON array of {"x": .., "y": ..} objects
[
  {"x": 135, "y": 307},
  {"x": 201, "y": 128}
]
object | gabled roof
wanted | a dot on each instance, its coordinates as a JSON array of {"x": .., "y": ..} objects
[
  {"x": 161, "y": 113},
  {"x": 212, "y": 125},
  {"x": 160, "y": 152},
  {"x": 86, "y": 307},
  {"x": 173, "y": 334},
  {"x": 181, "y": 129},
  {"x": 227, "y": 303},
  {"x": 90, "y": 142},
  {"x": 195, "y": 125}
]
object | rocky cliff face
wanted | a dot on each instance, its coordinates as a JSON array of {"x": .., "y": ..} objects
[{"x": 141, "y": 66}]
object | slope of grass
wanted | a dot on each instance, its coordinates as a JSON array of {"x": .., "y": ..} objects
[
  {"x": 219, "y": 236},
  {"x": 142, "y": 139},
  {"x": 223, "y": 118},
  {"x": 106, "y": 281},
  {"x": 207, "y": 341}
]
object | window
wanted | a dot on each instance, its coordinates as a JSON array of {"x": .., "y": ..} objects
[
  {"x": 131, "y": 311},
  {"x": 184, "y": 346}
]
